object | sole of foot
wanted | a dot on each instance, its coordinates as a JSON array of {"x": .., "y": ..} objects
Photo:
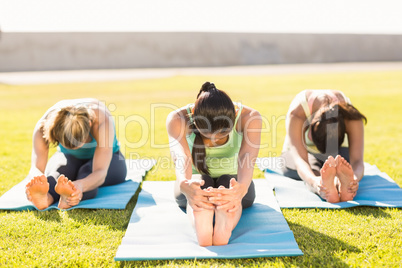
[
  {"x": 38, "y": 189},
  {"x": 328, "y": 173},
  {"x": 64, "y": 188},
  {"x": 223, "y": 228},
  {"x": 345, "y": 174}
]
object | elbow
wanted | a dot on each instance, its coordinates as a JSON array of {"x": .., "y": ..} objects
[{"x": 102, "y": 176}]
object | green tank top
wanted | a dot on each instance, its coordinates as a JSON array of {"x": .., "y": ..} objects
[{"x": 220, "y": 159}]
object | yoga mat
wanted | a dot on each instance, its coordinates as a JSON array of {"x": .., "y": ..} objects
[
  {"x": 160, "y": 230},
  {"x": 375, "y": 189},
  {"x": 108, "y": 197}
]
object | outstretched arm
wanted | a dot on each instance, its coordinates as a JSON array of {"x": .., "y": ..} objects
[
  {"x": 294, "y": 129},
  {"x": 40, "y": 152},
  {"x": 355, "y": 131},
  {"x": 40, "y": 148}
]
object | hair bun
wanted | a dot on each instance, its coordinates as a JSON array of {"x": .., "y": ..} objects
[{"x": 206, "y": 87}]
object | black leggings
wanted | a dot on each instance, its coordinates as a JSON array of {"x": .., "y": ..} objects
[
  {"x": 76, "y": 169},
  {"x": 223, "y": 180},
  {"x": 316, "y": 162}
]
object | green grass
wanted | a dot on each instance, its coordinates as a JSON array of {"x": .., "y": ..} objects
[{"x": 356, "y": 237}]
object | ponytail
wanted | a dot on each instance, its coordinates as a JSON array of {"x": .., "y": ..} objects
[
  {"x": 207, "y": 87},
  {"x": 198, "y": 154},
  {"x": 213, "y": 111}
]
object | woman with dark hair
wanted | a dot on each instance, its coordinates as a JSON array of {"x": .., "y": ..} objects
[
  {"x": 214, "y": 144},
  {"x": 88, "y": 154},
  {"x": 324, "y": 144}
]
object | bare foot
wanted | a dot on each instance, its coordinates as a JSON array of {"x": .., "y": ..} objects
[
  {"x": 345, "y": 174},
  {"x": 37, "y": 192},
  {"x": 64, "y": 188},
  {"x": 328, "y": 172},
  {"x": 203, "y": 221},
  {"x": 224, "y": 225}
]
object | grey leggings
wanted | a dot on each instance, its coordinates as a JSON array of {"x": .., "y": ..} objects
[
  {"x": 316, "y": 162},
  {"x": 77, "y": 169},
  {"x": 223, "y": 180}
]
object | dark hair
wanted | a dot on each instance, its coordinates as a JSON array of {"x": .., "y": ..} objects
[
  {"x": 330, "y": 129},
  {"x": 213, "y": 111}
]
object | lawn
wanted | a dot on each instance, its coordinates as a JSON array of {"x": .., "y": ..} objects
[{"x": 356, "y": 237}]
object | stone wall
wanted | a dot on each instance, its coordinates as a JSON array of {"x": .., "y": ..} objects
[{"x": 118, "y": 50}]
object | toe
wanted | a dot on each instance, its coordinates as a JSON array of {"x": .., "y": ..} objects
[
  {"x": 63, "y": 179},
  {"x": 70, "y": 183},
  {"x": 43, "y": 179}
]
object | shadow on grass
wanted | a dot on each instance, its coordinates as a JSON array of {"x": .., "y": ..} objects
[
  {"x": 319, "y": 249},
  {"x": 50, "y": 215},
  {"x": 376, "y": 212}
]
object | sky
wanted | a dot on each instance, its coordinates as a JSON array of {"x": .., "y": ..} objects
[{"x": 252, "y": 16}]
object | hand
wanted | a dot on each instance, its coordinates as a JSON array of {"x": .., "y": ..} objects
[
  {"x": 322, "y": 192},
  {"x": 196, "y": 197},
  {"x": 353, "y": 187},
  {"x": 28, "y": 193},
  {"x": 76, "y": 197},
  {"x": 229, "y": 199},
  {"x": 320, "y": 189}
]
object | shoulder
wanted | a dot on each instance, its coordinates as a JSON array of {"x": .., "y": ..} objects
[
  {"x": 248, "y": 112},
  {"x": 177, "y": 121},
  {"x": 179, "y": 114},
  {"x": 296, "y": 107},
  {"x": 249, "y": 117}
]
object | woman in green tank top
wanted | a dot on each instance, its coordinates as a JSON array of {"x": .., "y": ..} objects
[{"x": 214, "y": 144}]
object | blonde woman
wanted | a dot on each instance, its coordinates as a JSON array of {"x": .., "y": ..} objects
[{"x": 88, "y": 154}]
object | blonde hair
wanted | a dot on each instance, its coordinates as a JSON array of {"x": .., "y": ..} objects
[{"x": 68, "y": 126}]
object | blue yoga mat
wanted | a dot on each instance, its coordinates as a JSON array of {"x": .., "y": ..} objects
[
  {"x": 108, "y": 197},
  {"x": 160, "y": 230},
  {"x": 375, "y": 189}
]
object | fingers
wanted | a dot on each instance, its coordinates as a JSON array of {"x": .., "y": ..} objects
[
  {"x": 234, "y": 209},
  {"x": 76, "y": 196},
  {"x": 196, "y": 183},
  {"x": 323, "y": 191},
  {"x": 28, "y": 194},
  {"x": 197, "y": 209},
  {"x": 232, "y": 206},
  {"x": 353, "y": 187},
  {"x": 200, "y": 206},
  {"x": 225, "y": 191},
  {"x": 201, "y": 200},
  {"x": 233, "y": 182}
]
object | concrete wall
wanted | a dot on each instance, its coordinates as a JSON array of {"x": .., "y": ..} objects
[{"x": 114, "y": 50}]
